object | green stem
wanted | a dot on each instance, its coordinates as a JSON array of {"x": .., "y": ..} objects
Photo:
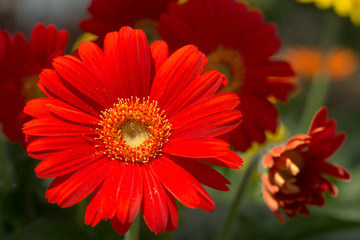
[
  {"x": 316, "y": 98},
  {"x": 239, "y": 197},
  {"x": 134, "y": 231}
]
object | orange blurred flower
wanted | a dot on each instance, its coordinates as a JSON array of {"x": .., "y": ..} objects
[
  {"x": 297, "y": 170},
  {"x": 339, "y": 64}
]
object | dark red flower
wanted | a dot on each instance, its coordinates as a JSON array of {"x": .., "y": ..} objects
[
  {"x": 111, "y": 15},
  {"x": 20, "y": 64},
  {"x": 240, "y": 44},
  {"x": 133, "y": 126},
  {"x": 297, "y": 171}
]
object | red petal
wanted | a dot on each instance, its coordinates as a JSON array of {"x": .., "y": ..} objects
[
  {"x": 109, "y": 190},
  {"x": 62, "y": 40},
  {"x": 209, "y": 126},
  {"x": 55, "y": 88},
  {"x": 134, "y": 57},
  {"x": 180, "y": 69},
  {"x": 131, "y": 59},
  {"x": 319, "y": 119},
  {"x": 74, "y": 115},
  {"x": 173, "y": 214},
  {"x": 111, "y": 43},
  {"x": 335, "y": 145},
  {"x": 258, "y": 111},
  {"x": 69, "y": 191},
  {"x": 38, "y": 42},
  {"x": 92, "y": 214},
  {"x": 76, "y": 74},
  {"x": 268, "y": 194},
  {"x": 268, "y": 160},
  {"x": 326, "y": 185},
  {"x": 269, "y": 68},
  {"x": 119, "y": 227},
  {"x": 54, "y": 144},
  {"x": 230, "y": 160},
  {"x": 334, "y": 170},
  {"x": 203, "y": 173},
  {"x": 197, "y": 147},
  {"x": 43, "y": 106},
  {"x": 154, "y": 206},
  {"x": 208, "y": 106},
  {"x": 53, "y": 127},
  {"x": 175, "y": 30},
  {"x": 238, "y": 138},
  {"x": 96, "y": 62},
  {"x": 270, "y": 201},
  {"x": 130, "y": 193},
  {"x": 188, "y": 191},
  {"x": 37, "y": 107},
  {"x": 268, "y": 48},
  {"x": 275, "y": 87},
  {"x": 66, "y": 161},
  {"x": 159, "y": 52},
  {"x": 204, "y": 86}
]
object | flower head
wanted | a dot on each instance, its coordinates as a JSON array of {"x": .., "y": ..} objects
[
  {"x": 297, "y": 171},
  {"x": 133, "y": 126},
  {"x": 240, "y": 44},
  {"x": 108, "y": 16},
  {"x": 343, "y": 8},
  {"x": 21, "y": 62}
]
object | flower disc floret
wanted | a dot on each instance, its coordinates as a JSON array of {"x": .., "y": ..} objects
[
  {"x": 230, "y": 62},
  {"x": 133, "y": 130}
]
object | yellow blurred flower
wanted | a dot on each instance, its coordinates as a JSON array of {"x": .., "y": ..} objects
[{"x": 344, "y": 8}]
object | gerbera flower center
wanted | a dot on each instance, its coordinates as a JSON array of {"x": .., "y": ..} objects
[
  {"x": 230, "y": 63},
  {"x": 30, "y": 89},
  {"x": 133, "y": 130},
  {"x": 148, "y": 25},
  {"x": 134, "y": 133}
]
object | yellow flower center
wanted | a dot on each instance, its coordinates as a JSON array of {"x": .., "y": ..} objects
[
  {"x": 148, "y": 25},
  {"x": 133, "y": 130},
  {"x": 230, "y": 63}
]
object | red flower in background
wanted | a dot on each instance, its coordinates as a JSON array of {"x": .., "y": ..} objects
[
  {"x": 133, "y": 126},
  {"x": 20, "y": 64},
  {"x": 297, "y": 170},
  {"x": 240, "y": 44},
  {"x": 111, "y": 15}
]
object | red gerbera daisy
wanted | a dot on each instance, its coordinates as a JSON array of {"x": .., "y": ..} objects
[
  {"x": 20, "y": 64},
  {"x": 238, "y": 43},
  {"x": 138, "y": 124},
  {"x": 111, "y": 15},
  {"x": 297, "y": 171}
]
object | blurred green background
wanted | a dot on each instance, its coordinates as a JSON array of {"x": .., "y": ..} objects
[{"x": 26, "y": 214}]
